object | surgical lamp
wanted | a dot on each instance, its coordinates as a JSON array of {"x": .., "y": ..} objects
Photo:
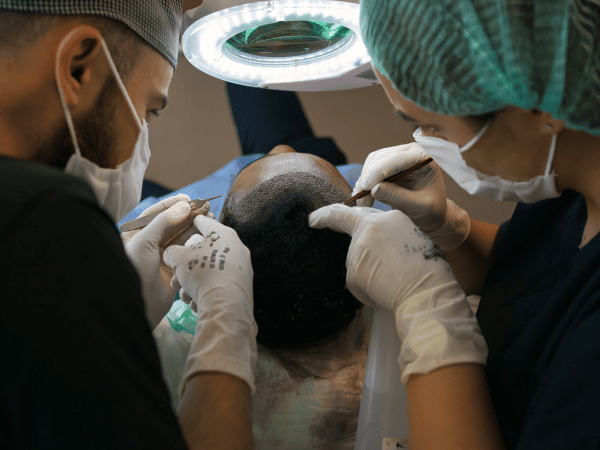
[{"x": 299, "y": 45}]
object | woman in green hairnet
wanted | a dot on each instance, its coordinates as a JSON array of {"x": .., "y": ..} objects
[{"x": 505, "y": 96}]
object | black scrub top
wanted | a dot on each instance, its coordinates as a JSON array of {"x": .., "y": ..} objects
[
  {"x": 540, "y": 315},
  {"x": 79, "y": 367}
]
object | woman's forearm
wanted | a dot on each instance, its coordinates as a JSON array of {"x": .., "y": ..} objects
[
  {"x": 471, "y": 261},
  {"x": 451, "y": 408}
]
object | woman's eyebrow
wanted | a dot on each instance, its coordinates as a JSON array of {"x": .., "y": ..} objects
[{"x": 404, "y": 116}]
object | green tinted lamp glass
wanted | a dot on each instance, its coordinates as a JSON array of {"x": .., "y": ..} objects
[{"x": 289, "y": 38}]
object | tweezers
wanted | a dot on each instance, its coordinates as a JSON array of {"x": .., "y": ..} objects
[
  {"x": 392, "y": 179},
  {"x": 141, "y": 222}
]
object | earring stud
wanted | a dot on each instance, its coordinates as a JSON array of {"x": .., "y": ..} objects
[{"x": 548, "y": 127}]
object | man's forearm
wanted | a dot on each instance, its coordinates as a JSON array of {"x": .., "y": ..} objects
[{"x": 215, "y": 412}]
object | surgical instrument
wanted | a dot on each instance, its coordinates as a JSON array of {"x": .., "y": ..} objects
[
  {"x": 141, "y": 222},
  {"x": 392, "y": 179}
]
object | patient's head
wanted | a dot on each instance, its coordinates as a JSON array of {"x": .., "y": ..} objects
[{"x": 299, "y": 272}]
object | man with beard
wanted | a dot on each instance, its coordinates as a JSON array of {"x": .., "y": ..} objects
[{"x": 78, "y": 81}]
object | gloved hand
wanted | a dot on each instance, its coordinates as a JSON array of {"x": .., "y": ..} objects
[
  {"x": 422, "y": 197},
  {"x": 392, "y": 264},
  {"x": 215, "y": 271},
  {"x": 144, "y": 251}
]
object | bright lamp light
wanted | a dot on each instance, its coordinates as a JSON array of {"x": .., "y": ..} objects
[{"x": 287, "y": 44}]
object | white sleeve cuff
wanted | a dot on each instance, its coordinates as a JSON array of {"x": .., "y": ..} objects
[
  {"x": 438, "y": 328},
  {"x": 225, "y": 339}
]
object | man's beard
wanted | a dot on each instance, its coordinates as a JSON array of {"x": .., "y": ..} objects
[{"x": 95, "y": 135}]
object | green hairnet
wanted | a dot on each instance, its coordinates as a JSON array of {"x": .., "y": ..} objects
[
  {"x": 471, "y": 57},
  {"x": 158, "y": 22}
]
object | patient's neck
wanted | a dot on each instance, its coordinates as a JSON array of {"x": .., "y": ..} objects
[{"x": 327, "y": 357}]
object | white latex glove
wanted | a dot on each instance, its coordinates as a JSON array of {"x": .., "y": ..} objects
[
  {"x": 392, "y": 264},
  {"x": 214, "y": 270},
  {"x": 144, "y": 249},
  {"x": 422, "y": 197}
]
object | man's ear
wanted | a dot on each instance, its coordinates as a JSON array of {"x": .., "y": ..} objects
[{"x": 81, "y": 67}]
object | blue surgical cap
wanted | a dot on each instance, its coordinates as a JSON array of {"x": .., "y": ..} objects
[
  {"x": 158, "y": 22},
  {"x": 472, "y": 57}
]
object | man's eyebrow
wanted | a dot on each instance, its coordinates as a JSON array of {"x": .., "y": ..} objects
[
  {"x": 160, "y": 99},
  {"x": 404, "y": 116}
]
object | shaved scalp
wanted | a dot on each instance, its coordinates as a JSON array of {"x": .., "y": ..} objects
[
  {"x": 20, "y": 30},
  {"x": 299, "y": 272}
]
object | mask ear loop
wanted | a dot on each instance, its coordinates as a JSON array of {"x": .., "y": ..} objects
[
  {"x": 551, "y": 154},
  {"x": 473, "y": 141},
  {"x": 61, "y": 94},
  {"x": 119, "y": 81}
]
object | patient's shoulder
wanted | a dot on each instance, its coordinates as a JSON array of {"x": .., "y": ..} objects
[{"x": 310, "y": 398}]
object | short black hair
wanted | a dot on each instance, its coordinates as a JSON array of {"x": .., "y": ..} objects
[
  {"x": 20, "y": 30},
  {"x": 299, "y": 272}
]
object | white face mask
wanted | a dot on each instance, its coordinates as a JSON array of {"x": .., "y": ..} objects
[
  {"x": 448, "y": 156},
  {"x": 117, "y": 190}
]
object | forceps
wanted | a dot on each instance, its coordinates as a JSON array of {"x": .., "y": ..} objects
[
  {"x": 392, "y": 179},
  {"x": 141, "y": 222}
]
